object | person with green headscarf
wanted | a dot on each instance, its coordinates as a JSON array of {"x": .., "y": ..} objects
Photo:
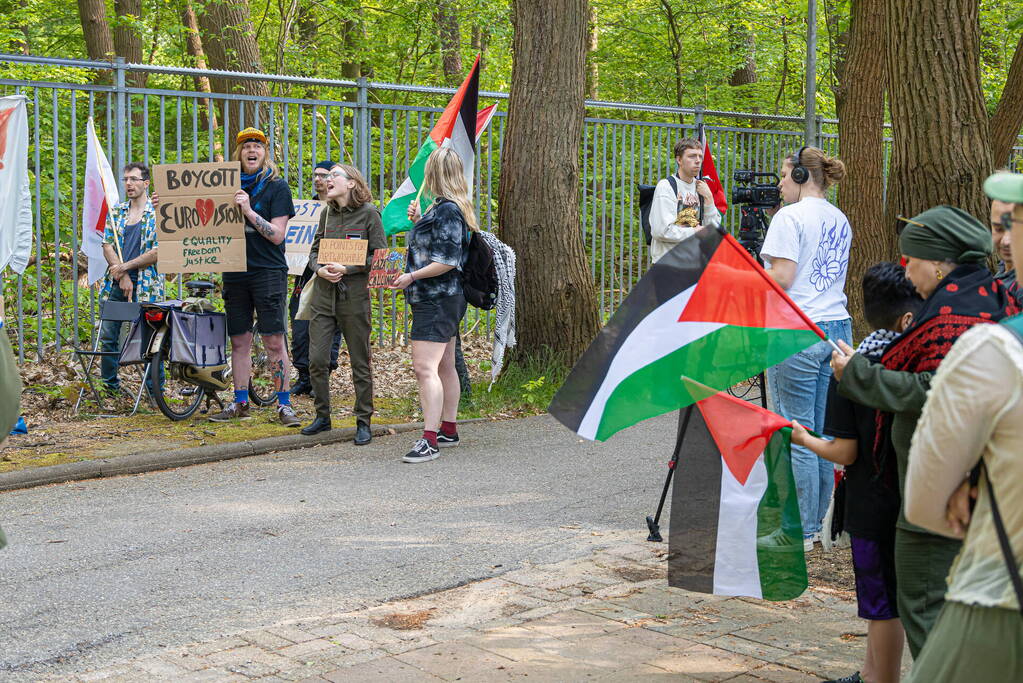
[
  {"x": 10, "y": 394},
  {"x": 945, "y": 249}
]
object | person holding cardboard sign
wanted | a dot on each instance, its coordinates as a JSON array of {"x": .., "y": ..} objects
[
  {"x": 265, "y": 201},
  {"x": 340, "y": 298}
]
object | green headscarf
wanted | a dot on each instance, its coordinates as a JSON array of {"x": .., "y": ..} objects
[{"x": 945, "y": 233}]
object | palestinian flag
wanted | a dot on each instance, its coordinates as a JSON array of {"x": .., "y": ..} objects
[
  {"x": 459, "y": 127},
  {"x": 735, "y": 526},
  {"x": 706, "y": 312}
]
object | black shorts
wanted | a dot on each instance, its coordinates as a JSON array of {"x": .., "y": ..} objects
[
  {"x": 437, "y": 320},
  {"x": 263, "y": 292}
]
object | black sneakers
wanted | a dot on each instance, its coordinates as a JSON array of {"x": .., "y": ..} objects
[
  {"x": 421, "y": 452},
  {"x": 445, "y": 441}
]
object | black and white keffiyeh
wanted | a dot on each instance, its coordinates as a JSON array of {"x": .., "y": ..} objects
[
  {"x": 874, "y": 344},
  {"x": 504, "y": 310}
]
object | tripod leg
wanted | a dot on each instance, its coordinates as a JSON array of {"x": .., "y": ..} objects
[{"x": 653, "y": 523}]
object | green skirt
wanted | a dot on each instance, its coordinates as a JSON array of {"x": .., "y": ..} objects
[
  {"x": 971, "y": 643},
  {"x": 922, "y": 562}
]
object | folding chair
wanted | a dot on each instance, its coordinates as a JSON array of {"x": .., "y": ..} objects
[{"x": 110, "y": 311}]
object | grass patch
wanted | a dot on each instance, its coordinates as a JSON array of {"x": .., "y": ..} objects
[{"x": 525, "y": 387}]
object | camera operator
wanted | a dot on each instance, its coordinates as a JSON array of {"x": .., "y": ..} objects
[
  {"x": 806, "y": 251},
  {"x": 683, "y": 190}
]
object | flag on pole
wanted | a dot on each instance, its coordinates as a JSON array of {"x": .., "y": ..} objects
[
  {"x": 100, "y": 196},
  {"x": 705, "y": 312},
  {"x": 735, "y": 526},
  {"x": 709, "y": 171},
  {"x": 16, "y": 209},
  {"x": 459, "y": 127}
]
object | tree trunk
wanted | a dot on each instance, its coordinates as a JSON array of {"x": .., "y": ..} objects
[
  {"x": 450, "y": 37},
  {"x": 676, "y": 38},
  {"x": 99, "y": 42},
  {"x": 230, "y": 45},
  {"x": 592, "y": 67},
  {"x": 859, "y": 100},
  {"x": 1008, "y": 117},
  {"x": 127, "y": 41},
  {"x": 353, "y": 39},
  {"x": 941, "y": 150},
  {"x": 193, "y": 44},
  {"x": 556, "y": 304},
  {"x": 480, "y": 40}
]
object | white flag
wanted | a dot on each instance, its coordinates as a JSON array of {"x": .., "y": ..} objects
[
  {"x": 16, "y": 208},
  {"x": 100, "y": 196}
]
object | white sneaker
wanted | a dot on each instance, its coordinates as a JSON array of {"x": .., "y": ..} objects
[{"x": 807, "y": 544}]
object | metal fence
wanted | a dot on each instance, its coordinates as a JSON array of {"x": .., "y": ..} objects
[{"x": 376, "y": 126}]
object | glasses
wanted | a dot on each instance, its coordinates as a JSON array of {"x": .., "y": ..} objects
[
  {"x": 321, "y": 176},
  {"x": 133, "y": 180},
  {"x": 338, "y": 174}
]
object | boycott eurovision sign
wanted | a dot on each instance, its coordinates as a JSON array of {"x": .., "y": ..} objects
[
  {"x": 301, "y": 231},
  {"x": 199, "y": 227}
]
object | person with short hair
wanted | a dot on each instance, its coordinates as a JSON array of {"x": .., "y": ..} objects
[
  {"x": 973, "y": 423},
  {"x": 437, "y": 252},
  {"x": 806, "y": 251},
  {"x": 871, "y": 484},
  {"x": 265, "y": 201},
  {"x": 690, "y": 193},
  {"x": 341, "y": 300},
  {"x": 130, "y": 248},
  {"x": 1001, "y": 236}
]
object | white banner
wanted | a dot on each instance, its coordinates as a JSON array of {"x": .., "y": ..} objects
[{"x": 16, "y": 207}]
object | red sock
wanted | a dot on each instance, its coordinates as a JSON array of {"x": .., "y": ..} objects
[
  {"x": 431, "y": 437},
  {"x": 448, "y": 428}
]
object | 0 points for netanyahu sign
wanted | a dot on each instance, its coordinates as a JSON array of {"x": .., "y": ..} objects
[{"x": 199, "y": 227}]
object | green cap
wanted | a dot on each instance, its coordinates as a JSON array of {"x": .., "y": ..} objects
[
  {"x": 1005, "y": 186},
  {"x": 945, "y": 233}
]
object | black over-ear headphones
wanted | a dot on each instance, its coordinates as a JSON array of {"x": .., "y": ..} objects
[{"x": 799, "y": 173}]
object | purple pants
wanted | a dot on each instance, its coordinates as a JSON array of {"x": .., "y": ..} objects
[{"x": 874, "y": 567}]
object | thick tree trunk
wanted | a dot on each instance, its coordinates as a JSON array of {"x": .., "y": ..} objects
[
  {"x": 941, "y": 150},
  {"x": 450, "y": 37},
  {"x": 1008, "y": 117},
  {"x": 859, "y": 100},
  {"x": 127, "y": 41},
  {"x": 556, "y": 306},
  {"x": 193, "y": 44},
  {"x": 230, "y": 45},
  {"x": 99, "y": 42},
  {"x": 353, "y": 38}
]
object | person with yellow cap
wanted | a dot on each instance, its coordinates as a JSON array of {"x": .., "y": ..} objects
[
  {"x": 265, "y": 201},
  {"x": 970, "y": 436}
]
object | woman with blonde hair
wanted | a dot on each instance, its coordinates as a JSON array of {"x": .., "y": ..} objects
[
  {"x": 437, "y": 250},
  {"x": 341, "y": 300}
]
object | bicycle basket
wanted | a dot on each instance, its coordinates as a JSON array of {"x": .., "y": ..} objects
[{"x": 198, "y": 338}]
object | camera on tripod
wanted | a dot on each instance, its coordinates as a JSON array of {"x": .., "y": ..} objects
[{"x": 754, "y": 199}]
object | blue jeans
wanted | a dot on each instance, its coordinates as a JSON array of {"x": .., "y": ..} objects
[
  {"x": 799, "y": 392},
  {"x": 110, "y": 340}
]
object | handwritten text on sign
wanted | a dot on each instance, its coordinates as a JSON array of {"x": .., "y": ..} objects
[
  {"x": 301, "y": 231},
  {"x": 345, "y": 252},
  {"x": 199, "y": 226},
  {"x": 388, "y": 264}
]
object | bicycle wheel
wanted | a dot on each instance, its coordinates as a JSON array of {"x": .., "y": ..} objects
[
  {"x": 176, "y": 398},
  {"x": 262, "y": 388}
]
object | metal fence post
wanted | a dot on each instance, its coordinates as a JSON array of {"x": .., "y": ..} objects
[
  {"x": 698, "y": 117},
  {"x": 818, "y": 135},
  {"x": 120, "y": 116},
  {"x": 363, "y": 143}
]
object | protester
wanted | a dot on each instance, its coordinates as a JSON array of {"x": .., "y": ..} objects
[
  {"x": 688, "y": 192},
  {"x": 1001, "y": 225},
  {"x": 806, "y": 251},
  {"x": 973, "y": 420},
  {"x": 341, "y": 299},
  {"x": 433, "y": 284},
  {"x": 265, "y": 200},
  {"x": 129, "y": 246},
  {"x": 10, "y": 393},
  {"x": 946, "y": 249},
  {"x": 300, "y": 328},
  {"x": 871, "y": 486}
]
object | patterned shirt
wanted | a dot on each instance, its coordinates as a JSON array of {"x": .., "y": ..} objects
[
  {"x": 150, "y": 284},
  {"x": 439, "y": 236}
]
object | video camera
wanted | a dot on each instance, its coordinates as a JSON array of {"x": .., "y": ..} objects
[{"x": 755, "y": 198}]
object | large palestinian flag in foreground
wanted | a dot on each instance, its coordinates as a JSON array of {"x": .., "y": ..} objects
[
  {"x": 735, "y": 526},
  {"x": 706, "y": 312}
]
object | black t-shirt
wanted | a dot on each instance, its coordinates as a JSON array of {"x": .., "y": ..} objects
[
  {"x": 872, "y": 488},
  {"x": 261, "y": 253}
]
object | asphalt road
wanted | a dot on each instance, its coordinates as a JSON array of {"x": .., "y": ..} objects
[{"x": 102, "y": 570}]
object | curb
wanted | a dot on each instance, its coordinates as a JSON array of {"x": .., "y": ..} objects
[{"x": 138, "y": 463}]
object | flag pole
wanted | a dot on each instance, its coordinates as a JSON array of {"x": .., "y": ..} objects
[
  {"x": 654, "y": 523},
  {"x": 699, "y": 134}
]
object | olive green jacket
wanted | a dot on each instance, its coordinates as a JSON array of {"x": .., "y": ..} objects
[{"x": 361, "y": 222}]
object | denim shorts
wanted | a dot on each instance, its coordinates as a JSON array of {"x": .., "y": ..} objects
[
  {"x": 263, "y": 292},
  {"x": 437, "y": 320}
]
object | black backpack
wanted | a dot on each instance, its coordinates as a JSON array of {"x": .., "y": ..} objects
[
  {"x": 479, "y": 274},
  {"x": 646, "y": 200}
]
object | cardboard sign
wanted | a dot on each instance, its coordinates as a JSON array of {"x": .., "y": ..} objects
[
  {"x": 301, "y": 231},
  {"x": 387, "y": 265},
  {"x": 199, "y": 227},
  {"x": 345, "y": 252}
]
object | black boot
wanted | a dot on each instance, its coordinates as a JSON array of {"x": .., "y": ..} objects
[
  {"x": 320, "y": 424},
  {"x": 363, "y": 435},
  {"x": 303, "y": 386}
]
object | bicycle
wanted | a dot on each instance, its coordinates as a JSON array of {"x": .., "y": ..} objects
[{"x": 182, "y": 386}]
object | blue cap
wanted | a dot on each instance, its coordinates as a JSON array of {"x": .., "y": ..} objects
[{"x": 327, "y": 165}]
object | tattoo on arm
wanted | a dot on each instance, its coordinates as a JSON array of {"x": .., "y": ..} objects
[{"x": 265, "y": 227}]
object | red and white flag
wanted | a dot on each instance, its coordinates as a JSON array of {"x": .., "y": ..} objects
[
  {"x": 100, "y": 196},
  {"x": 709, "y": 171},
  {"x": 16, "y": 207}
]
